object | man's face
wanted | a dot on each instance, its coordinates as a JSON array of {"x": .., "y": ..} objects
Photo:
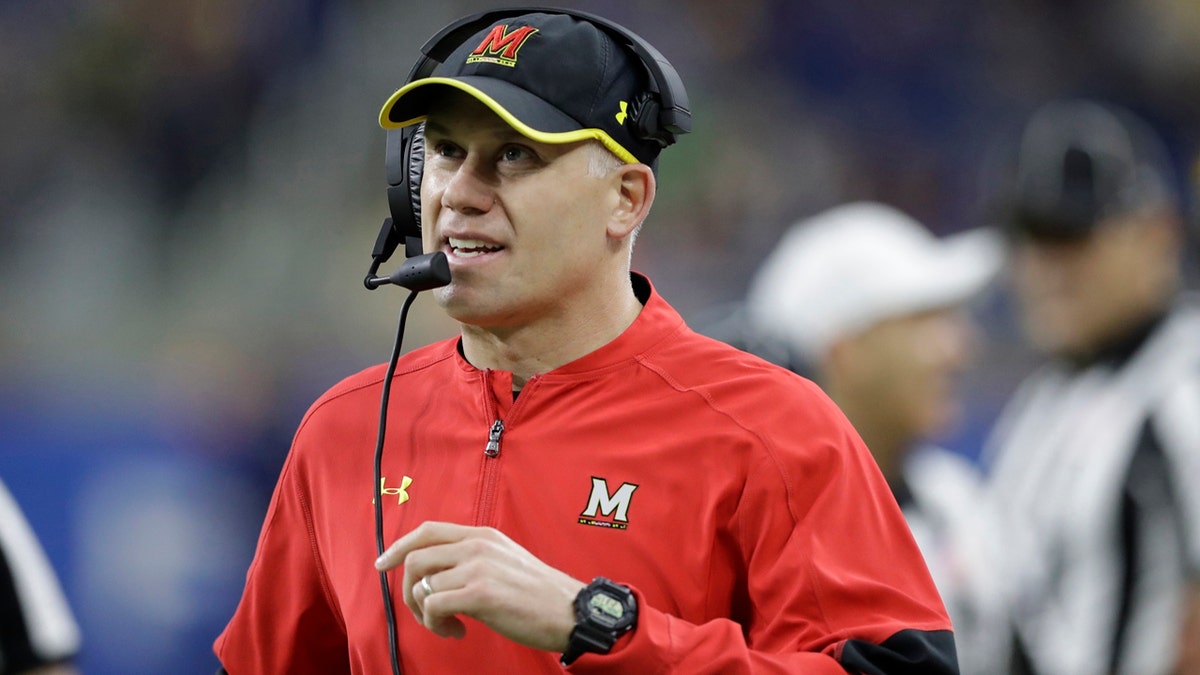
[
  {"x": 1077, "y": 295},
  {"x": 905, "y": 369},
  {"x": 523, "y": 223}
]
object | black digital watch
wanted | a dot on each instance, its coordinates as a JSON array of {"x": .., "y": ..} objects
[{"x": 604, "y": 611}]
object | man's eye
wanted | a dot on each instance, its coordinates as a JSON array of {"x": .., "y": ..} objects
[
  {"x": 514, "y": 153},
  {"x": 445, "y": 149}
]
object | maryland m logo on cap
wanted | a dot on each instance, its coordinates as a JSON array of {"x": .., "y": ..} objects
[
  {"x": 568, "y": 88},
  {"x": 501, "y": 46}
]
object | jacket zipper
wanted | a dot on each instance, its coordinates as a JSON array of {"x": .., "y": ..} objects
[
  {"x": 493, "y": 443},
  {"x": 485, "y": 516},
  {"x": 486, "y": 506}
]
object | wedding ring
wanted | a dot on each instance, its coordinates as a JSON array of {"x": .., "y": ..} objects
[{"x": 426, "y": 587}]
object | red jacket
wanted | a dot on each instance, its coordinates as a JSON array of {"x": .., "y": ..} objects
[{"x": 730, "y": 494}]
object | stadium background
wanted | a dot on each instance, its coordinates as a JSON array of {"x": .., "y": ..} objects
[{"x": 189, "y": 192}]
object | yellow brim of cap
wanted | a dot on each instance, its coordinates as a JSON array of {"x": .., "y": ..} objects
[{"x": 573, "y": 136}]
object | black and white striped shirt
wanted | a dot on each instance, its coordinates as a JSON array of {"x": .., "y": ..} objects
[
  {"x": 1097, "y": 469},
  {"x": 36, "y": 625}
]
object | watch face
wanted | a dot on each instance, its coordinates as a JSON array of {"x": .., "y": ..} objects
[{"x": 605, "y": 609}]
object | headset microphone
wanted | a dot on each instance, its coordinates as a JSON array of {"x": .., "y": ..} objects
[{"x": 418, "y": 273}]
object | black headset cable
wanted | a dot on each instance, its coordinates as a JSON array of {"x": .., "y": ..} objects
[{"x": 379, "y": 541}]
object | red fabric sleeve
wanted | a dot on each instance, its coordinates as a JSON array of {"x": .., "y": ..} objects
[
  {"x": 829, "y": 560},
  {"x": 285, "y": 622}
]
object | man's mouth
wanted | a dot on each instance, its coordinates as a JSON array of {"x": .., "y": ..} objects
[{"x": 469, "y": 248}]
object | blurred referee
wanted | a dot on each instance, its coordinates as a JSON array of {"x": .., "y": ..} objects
[
  {"x": 38, "y": 634},
  {"x": 1097, "y": 457}
]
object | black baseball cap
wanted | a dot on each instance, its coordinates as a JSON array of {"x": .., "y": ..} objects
[
  {"x": 1079, "y": 162},
  {"x": 553, "y": 77}
]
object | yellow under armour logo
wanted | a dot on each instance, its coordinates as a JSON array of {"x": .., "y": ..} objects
[
  {"x": 622, "y": 115},
  {"x": 400, "y": 492}
]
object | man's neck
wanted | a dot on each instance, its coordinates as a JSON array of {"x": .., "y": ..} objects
[
  {"x": 887, "y": 449},
  {"x": 1119, "y": 348},
  {"x": 880, "y": 434},
  {"x": 552, "y": 341}
]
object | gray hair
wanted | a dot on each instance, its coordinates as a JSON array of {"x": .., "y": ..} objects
[{"x": 601, "y": 161}]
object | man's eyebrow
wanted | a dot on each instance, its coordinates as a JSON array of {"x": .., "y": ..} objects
[
  {"x": 500, "y": 133},
  {"x": 435, "y": 127}
]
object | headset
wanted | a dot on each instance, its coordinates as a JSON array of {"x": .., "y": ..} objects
[{"x": 659, "y": 115}]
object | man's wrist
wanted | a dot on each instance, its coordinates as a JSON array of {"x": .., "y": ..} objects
[
  {"x": 567, "y": 625},
  {"x": 604, "y": 611}
]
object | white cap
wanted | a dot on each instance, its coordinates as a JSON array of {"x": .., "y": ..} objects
[{"x": 854, "y": 265}]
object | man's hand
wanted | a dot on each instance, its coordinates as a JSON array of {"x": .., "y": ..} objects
[{"x": 481, "y": 573}]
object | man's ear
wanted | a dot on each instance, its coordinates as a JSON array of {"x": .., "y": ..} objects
[{"x": 637, "y": 186}]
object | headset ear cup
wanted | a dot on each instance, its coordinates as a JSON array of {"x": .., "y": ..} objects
[
  {"x": 645, "y": 111},
  {"x": 405, "y": 223},
  {"x": 414, "y": 159}
]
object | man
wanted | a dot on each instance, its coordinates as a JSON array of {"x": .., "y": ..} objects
[
  {"x": 1096, "y": 458},
  {"x": 874, "y": 305},
  {"x": 576, "y": 432}
]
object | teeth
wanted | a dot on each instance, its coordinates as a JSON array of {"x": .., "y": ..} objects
[{"x": 471, "y": 247}]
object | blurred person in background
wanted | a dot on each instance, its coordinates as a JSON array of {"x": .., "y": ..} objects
[
  {"x": 38, "y": 633},
  {"x": 875, "y": 307},
  {"x": 1095, "y": 460}
]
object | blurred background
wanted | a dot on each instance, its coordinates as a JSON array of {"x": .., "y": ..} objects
[{"x": 189, "y": 193}]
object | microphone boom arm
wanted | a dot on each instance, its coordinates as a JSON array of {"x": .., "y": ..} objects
[{"x": 418, "y": 273}]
